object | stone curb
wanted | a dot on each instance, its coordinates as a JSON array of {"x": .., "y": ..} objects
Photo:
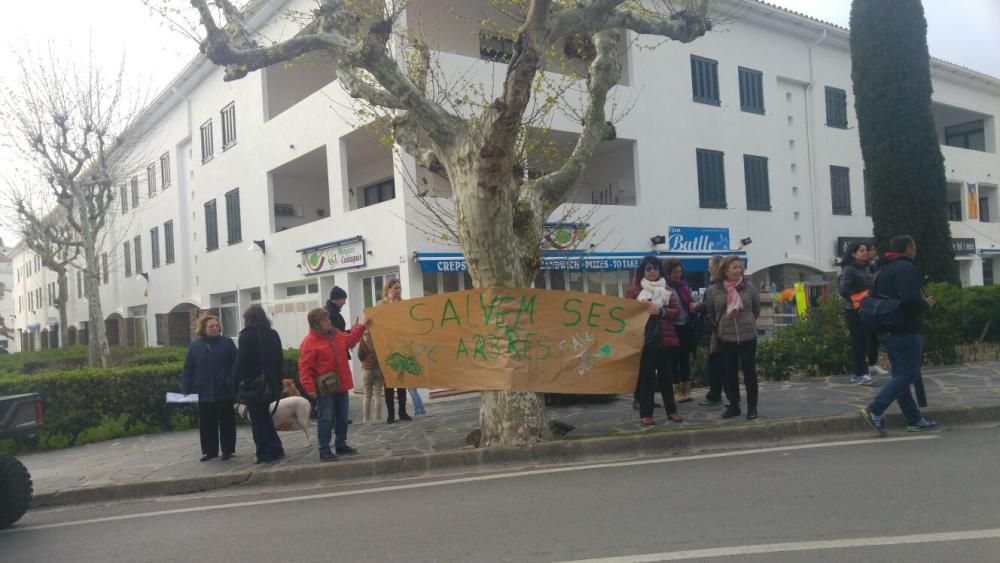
[{"x": 610, "y": 447}]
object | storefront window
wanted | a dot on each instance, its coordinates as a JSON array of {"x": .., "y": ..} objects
[
  {"x": 557, "y": 280},
  {"x": 451, "y": 281},
  {"x": 430, "y": 283},
  {"x": 595, "y": 282}
]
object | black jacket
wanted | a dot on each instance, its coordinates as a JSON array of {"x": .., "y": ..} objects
[
  {"x": 900, "y": 279},
  {"x": 853, "y": 279},
  {"x": 260, "y": 350},
  {"x": 335, "y": 317}
]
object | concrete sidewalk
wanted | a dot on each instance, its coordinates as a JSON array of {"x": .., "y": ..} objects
[{"x": 168, "y": 463}]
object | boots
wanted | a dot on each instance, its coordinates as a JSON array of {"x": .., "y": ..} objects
[
  {"x": 402, "y": 412},
  {"x": 685, "y": 393}
]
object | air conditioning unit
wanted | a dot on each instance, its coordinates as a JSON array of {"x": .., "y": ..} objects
[{"x": 288, "y": 210}]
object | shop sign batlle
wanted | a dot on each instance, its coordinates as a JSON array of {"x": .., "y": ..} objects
[
  {"x": 697, "y": 239},
  {"x": 336, "y": 256}
]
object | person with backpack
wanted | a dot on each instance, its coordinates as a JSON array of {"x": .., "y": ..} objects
[
  {"x": 854, "y": 284},
  {"x": 895, "y": 309},
  {"x": 260, "y": 355}
]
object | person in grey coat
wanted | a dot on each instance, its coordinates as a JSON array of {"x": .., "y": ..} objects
[
  {"x": 209, "y": 370},
  {"x": 733, "y": 305}
]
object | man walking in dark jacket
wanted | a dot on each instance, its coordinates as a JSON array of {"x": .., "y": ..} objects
[{"x": 898, "y": 278}]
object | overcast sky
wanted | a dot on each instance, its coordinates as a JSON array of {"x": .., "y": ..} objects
[{"x": 965, "y": 32}]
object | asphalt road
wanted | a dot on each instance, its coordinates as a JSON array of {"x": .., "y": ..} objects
[{"x": 926, "y": 497}]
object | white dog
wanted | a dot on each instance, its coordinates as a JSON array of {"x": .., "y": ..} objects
[{"x": 292, "y": 411}]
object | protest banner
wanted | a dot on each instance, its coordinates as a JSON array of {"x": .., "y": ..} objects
[{"x": 504, "y": 339}]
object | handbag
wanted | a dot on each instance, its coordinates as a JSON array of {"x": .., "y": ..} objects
[
  {"x": 327, "y": 383},
  {"x": 651, "y": 334},
  {"x": 256, "y": 390}
]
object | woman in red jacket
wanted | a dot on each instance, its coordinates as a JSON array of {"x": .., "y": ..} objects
[
  {"x": 324, "y": 350},
  {"x": 662, "y": 344}
]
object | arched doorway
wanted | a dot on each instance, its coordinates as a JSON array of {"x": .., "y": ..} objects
[
  {"x": 114, "y": 327},
  {"x": 176, "y": 327},
  {"x": 71, "y": 336}
]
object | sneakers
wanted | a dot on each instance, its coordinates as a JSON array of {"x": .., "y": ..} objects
[
  {"x": 876, "y": 422},
  {"x": 876, "y": 370},
  {"x": 854, "y": 378},
  {"x": 327, "y": 456},
  {"x": 922, "y": 425},
  {"x": 866, "y": 379}
]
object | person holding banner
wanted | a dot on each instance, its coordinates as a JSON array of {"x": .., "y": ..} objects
[
  {"x": 733, "y": 307},
  {"x": 391, "y": 293},
  {"x": 854, "y": 284},
  {"x": 325, "y": 375},
  {"x": 661, "y": 343}
]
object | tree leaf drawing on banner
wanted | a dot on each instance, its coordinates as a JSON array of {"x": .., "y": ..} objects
[{"x": 404, "y": 364}]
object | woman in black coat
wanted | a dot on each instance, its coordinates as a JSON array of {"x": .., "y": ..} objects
[
  {"x": 260, "y": 352},
  {"x": 855, "y": 281},
  {"x": 208, "y": 371}
]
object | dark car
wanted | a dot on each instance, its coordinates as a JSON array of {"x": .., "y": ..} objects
[{"x": 20, "y": 417}]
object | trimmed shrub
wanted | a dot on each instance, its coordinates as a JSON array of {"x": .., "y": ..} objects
[
  {"x": 816, "y": 346},
  {"x": 78, "y": 400}
]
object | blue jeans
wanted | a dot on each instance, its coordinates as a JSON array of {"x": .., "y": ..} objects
[
  {"x": 418, "y": 403},
  {"x": 333, "y": 413},
  {"x": 905, "y": 356}
]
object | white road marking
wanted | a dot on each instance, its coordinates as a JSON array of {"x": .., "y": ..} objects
[
  {"x": 759, "y": 549},
  {"x": 463, "y": 480}
]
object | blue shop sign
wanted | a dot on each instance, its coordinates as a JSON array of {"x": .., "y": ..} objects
[
  {"x": 446, "y": 262},
  {"x": 697, "y": 239}
]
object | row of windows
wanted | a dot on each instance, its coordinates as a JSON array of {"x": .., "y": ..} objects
[
  {"x": 132, "y": 251},
  {"x": 151, "y": 181},
  {"x": 29, "y": 267},
  {"x": 705, "y": 89},
  {"x": 712, "y": 183},
  {"x": 228, "y": 118},
  {"x": 234, "y": 226}
]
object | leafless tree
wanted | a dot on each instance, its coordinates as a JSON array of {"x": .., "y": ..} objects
[
  {"x": 74, "y": 126},
  {"x": 50, "y": 237},
  {"x": 480, "y": 145}
]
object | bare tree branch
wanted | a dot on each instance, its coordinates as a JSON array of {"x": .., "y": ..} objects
[{"x": 605, "y": 71}]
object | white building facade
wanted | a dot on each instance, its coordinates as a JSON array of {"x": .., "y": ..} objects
[{"x": 262, "y": 190}]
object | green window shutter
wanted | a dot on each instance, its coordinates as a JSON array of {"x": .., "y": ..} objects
[
  {"x": 836, "y": 108},
  {"x": 705, "y": 80},
  {"x": 711, "y": 179},
  {"x": 757, "y": 183},
  {"x": 751, "y": 90},
  {"x": 840, "y": 190},
  {"x": 211, "y": 226}
]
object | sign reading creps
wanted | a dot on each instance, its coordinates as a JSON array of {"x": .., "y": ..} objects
[
  {"x": 503, "y": 339},
  {"x": 334, "y": 256}
]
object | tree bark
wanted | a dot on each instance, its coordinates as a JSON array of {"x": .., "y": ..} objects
[
  {"x": 100, "y": 352},
  {"x": 61, "y": 301}
]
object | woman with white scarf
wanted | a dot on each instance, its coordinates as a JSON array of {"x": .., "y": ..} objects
[
  {"x": 733, "y": 307},
  {"x": 661, "y": 342}
]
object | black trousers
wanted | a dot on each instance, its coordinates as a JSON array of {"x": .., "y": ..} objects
[
  {"x": 391, "y": 395},
  {"x": 681, "y": 368},
  {"x": 217, "y": 424},
  {"x": 734, "y": 357},
  {"x": 654, "y": 374},
  {"x": 715, "y": 369},
  {"x": 265, "y": 437},
  {"x": 864, "y": 344}
]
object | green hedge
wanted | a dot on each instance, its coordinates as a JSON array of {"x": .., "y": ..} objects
[
  {"x": 75, "y": 357},
  {"x": 815, "y": 346},
  {"x": 820, "y": 344},
  {"x": 78, "y": 400}
]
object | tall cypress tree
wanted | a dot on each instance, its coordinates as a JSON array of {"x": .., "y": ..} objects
[{"x": 904, "y": 168}]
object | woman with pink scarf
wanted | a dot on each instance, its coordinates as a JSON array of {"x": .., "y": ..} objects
[{"x": 733, "y": 307}]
